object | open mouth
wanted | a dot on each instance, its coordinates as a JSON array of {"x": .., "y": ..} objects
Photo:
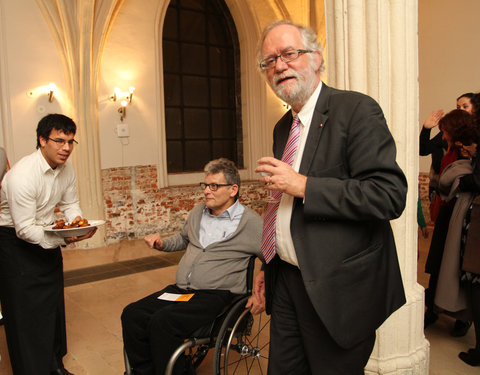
[{"x": 284, "y": 79}]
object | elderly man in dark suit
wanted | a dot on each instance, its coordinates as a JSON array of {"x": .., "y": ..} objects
[{"x": 331, "y": 276}]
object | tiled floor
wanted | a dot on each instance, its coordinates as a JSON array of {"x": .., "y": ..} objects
[{"x": 123, "y": 273}]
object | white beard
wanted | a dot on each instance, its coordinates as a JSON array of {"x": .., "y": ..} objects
[{"x": 298, "y": 91}]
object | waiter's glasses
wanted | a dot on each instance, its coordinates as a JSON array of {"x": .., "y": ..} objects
[{"x": 61, "y": 142}]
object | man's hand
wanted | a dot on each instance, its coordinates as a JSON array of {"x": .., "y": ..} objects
[
  {"x": 281, "y": 177},
  {"x": 69, "y": 240},
  {"x": 154, "y": 241},
  {"x": 433, "y": 119},
  {"x": 256, "y": 303}
]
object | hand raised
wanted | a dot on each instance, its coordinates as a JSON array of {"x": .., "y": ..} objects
[{"x": 433, "y": 119}]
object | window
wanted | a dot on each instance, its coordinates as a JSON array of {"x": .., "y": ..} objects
[{"x": 202, "y": 85}]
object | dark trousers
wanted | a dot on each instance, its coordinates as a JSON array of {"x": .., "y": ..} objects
[
  {"x": 153, "y": 328},
  {"x": 33, "y": 307},
  {"x": 299, "y": 341}
]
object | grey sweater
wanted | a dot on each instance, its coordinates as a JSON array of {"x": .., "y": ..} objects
[{"x": 221, "y": 265}]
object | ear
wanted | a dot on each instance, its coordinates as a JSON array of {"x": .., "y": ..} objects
[
  {"x": 234, "y": 190},
  {"x": 43, "y": 141},
  {"x": 318, "y": 58}
]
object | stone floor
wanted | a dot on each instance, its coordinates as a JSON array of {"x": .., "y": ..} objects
[{"x": 100, "y": 282}]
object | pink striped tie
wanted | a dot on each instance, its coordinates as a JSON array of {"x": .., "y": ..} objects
[{"x": 269, "y": 221}]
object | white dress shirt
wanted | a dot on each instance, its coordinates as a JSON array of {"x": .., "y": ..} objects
[
  {"x": 30, "y": 191},
  {"x": 283, "y": 240},
  {"x": 217, "y": 228}
]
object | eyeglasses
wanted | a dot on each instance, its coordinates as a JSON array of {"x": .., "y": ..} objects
[
  {"x": 213, "y": 186},
  {"x": 286, "y": 56},
  {"x": 61, "y": 142}
]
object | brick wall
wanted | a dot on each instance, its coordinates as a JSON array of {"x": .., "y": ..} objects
[{"x": 135, "y": 206}]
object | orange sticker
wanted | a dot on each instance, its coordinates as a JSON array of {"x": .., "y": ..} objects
[{"x": 184, "y": 297}]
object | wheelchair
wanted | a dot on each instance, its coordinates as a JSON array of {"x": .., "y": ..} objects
[{"x": 240, "y": 340}]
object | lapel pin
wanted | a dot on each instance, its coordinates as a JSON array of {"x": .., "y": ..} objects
[{"x": 320, "y": 125}]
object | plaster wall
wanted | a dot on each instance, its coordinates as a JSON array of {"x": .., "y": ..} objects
[
  {"x": 129, "y": 60},
  {"x": 31, "y": 62}
]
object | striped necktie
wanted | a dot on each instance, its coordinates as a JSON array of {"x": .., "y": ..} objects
[{"x": 269, "y": 221}]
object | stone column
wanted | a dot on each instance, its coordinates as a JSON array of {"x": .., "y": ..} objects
[
  {"x": 372, "y": 48},
  {"x": 79, "y": 29}
]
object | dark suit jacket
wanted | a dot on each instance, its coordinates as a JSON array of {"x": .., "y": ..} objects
[{"x": 341, "y": 233}]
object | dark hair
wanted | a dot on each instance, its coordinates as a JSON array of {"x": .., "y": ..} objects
[
  {"x": 468, "y": 95},
  {"x": 57, "y": 122},
  {"x": 460, "y": 126},
  {"x": 475, "y": 100},
  {"x": 229, "y": 170}
]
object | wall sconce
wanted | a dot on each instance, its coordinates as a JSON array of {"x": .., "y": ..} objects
[
  {"x": 125, "y": 99},
  {"x": 123, "y": 110},
  {"x": 51, "y": 91}
]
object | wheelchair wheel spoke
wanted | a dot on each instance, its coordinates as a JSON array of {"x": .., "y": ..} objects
[{"x": 243, "y": 344}]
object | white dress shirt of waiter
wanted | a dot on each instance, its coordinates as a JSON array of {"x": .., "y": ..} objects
[{"x": 31, "y": 267}]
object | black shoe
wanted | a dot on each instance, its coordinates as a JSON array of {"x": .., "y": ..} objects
[
  {"x": 430, "y": 318},
  {"x": 472, "y": 357},
  {"x": 460, "y": 328}
]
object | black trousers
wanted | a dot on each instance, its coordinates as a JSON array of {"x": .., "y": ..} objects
[
  {"x": 33, "y": 306},
  {"x": 299, "y": 341},
  {"x": 153, "y": 328}
]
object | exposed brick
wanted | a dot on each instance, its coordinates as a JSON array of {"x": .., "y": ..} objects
[{"x": 135, "y": 206}]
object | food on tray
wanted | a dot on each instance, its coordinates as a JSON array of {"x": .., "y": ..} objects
[{"x": 61, "y": 224}]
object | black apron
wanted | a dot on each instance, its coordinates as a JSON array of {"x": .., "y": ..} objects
[{"x": 33, "y": 306}]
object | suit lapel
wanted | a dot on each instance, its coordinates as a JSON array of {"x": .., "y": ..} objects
[
  {"x": 281, "y": 137},
  {"x": 319, "y": 121}
]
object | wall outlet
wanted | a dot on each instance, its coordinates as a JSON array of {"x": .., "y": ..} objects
[{"x": 122, "y": 131}]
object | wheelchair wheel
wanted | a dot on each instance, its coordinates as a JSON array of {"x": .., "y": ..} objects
[{"x": 243, "y": 343}]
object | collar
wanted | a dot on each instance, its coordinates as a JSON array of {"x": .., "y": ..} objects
[
  {"x": 231, "y": 212},
  {"x": 45, "y": 167}
]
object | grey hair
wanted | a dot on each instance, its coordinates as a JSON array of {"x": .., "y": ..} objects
[
  {"x": 309, "y": 39},
  {"x": 228, "y": 168}
]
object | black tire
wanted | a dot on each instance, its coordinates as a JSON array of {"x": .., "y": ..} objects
[{"x": 243, "y": 343}]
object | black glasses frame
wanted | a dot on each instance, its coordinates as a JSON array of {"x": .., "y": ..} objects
[
  {"x": 61, "y": 142},
  {"x": 286, "y": 56},
  {"x": 213, "y": 186}
]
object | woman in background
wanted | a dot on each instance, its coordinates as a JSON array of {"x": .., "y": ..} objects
[
  {"x": 449, "y": 127},
  {"x": 470, "y": 274},
  {"x": 437, "y": 146}
]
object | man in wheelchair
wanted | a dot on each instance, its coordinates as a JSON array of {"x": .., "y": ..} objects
[{"x": 219, "y": 235}]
